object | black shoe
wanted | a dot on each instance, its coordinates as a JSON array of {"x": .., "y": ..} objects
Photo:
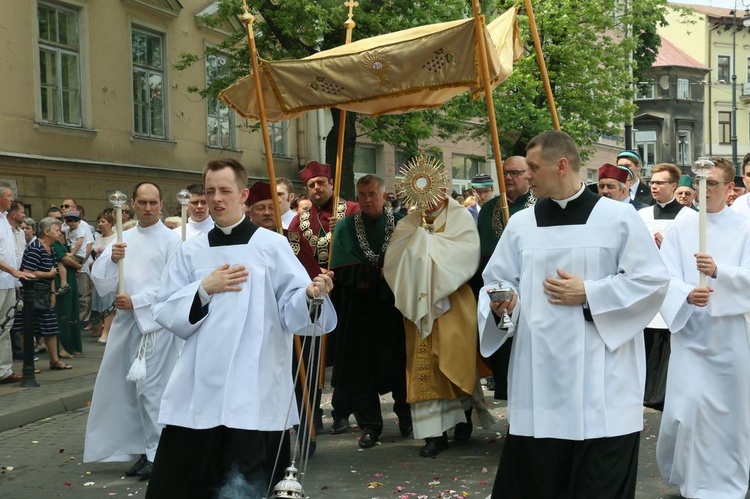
[
  {"x": 318, "y": 422},
  {"x": 405, "y": 428},
  {"x": 133, "y": 471},
  {"x": 462, "y": 432},
  {"x": 434, "y": 446},
  {"x": 490, "y": 383},
  {"x": 145, "y": 471},
  {"x": 339, "y": 426},
  {"x": 367, "y": 440}
]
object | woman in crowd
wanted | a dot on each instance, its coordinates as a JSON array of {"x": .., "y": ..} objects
[
  {"x": 102, "y": 304},
  {"x": 67, "y": 306}
]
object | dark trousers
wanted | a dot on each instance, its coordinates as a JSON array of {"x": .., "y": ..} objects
[
  {"x": 369, "y": 415},
  {"x": 203, "y": 464},
  {"x": 548, "y": 468}
]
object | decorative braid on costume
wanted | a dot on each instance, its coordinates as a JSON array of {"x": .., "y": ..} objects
[
  {"x": 375, "y": 259},
  {"x": 497, "y": 214}
]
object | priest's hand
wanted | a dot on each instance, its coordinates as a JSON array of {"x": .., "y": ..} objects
[
  {"x": 705, "y": 264},
  {"x": 118, "y": 252},
  {"x": 568, "y": 290},
  {"x": 508, "y": 305},
  {"x": 658, "y": 239},
  {"x": 225, "y": 278},
  {"x": 321, "y": 285},
  {"x": 700, "y": 296},
  {"x": 123, "y": 302}
]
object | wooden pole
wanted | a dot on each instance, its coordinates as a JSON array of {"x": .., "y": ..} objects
[
  {"x": 542, "y": 64},
  {"x": 248, "y": 19},
  {"x": 303, "y": 382},
  {"x": 485, "y": 73},
  {"x": 349, "y": 25}
]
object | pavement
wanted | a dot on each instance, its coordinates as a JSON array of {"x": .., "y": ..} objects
[{"x": 42, "y": 434}]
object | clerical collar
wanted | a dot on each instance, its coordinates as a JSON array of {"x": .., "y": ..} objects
[
  {"x": 564, "y": 202},
  {"x": 665, "y": 204},
  {"x": 228, "y": 230}
]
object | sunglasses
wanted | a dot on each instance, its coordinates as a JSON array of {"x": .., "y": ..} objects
[{"x": 66, "y": 206}]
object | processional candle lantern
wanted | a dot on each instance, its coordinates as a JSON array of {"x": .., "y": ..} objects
[
  {"x": 701, "y": 168},
  {"x": 118, "y": 200},
  {"x": 183, "y": 197}
]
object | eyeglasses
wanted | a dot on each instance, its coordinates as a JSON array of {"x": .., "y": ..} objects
[
  {"x": 710, "y": 184},
  {"x": 513, "y": 173},
  {"x": 659, "y": 183},
  {"x": 66, "y": 206},
  {"x": 747, "y": 174}
]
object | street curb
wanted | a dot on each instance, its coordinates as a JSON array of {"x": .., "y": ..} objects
[{"x": 45, "y": 408}]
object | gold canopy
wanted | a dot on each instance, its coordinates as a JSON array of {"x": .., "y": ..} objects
[{"x": 408, "y": 70}]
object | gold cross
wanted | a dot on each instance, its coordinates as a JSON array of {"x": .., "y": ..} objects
[{"x": 351, "y": 4}]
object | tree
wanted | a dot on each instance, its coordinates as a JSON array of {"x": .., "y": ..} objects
[{"x": 584, "y": 44}]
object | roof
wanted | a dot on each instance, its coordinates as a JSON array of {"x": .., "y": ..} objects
[
  {"x": 707, "y": 10},
  {"x": 671, "y": 56}
]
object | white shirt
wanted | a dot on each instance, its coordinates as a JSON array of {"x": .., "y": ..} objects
[
  {"x": 287, "y": 217},
  {"x": 193, "y": 228},
  {"x": 7, "y": 252},
  {"x": 742, "y": 205}
]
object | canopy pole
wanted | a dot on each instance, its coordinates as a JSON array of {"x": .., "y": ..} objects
[
  {"x": 248, "y": 19},
  {"x": 542, "y": 64},
  {"x": 349, "y": 25},
  {"x": 485, "y": 72}
]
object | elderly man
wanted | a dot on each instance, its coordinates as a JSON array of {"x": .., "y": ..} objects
[
  {"x": 704, "y": 439},
  {"x": 199, "y": 220},
  {"x": 9, "y": 273},
  {"x": 285, "y": 192},
  {"x": 685, "y": 192},
  {"x": 123, "y": 423},
  {"x": 639, "y": 191},
  {"x": 490, "y": 228},
  {"x": 310, "y": 235},
  {"x": 371, "y": 350},
  {"x": 587, "y": 280},
  {"x": 613, "y": 184},
  {"x": 236, "y": 296},
  {"x": 482, "y": 186}
]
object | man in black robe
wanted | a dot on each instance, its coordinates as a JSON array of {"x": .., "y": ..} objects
[{"x": 370, "y": 349}]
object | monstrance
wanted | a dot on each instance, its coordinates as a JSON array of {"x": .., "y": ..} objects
[{"x": 424, "y": 185}]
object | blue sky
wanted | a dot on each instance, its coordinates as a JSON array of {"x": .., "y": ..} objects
[{"x": 729, "y": 4}]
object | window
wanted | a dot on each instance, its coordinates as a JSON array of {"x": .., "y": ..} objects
[
  {"x": 724, "y": 73},
  {"x": 220, "y": 119},
  {"x": 148, "y": 84},
  {"x": 59, "y": 65},
  {"x": 365, "y": 159},
  {"x": 684, "y": 154},
  {"x": 645, "y": 142},
  {"x": 279, "y": 138},
  {"x": 748, "y": 70},
  {"x": 645, "y": 89},
  {"x": 465, "y": 167},
  {"x": 683, "y": 89},
  {"x": 725, "y": 127}
]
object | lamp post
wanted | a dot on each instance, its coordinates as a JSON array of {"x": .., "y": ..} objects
[{"x": 734, "y": 86}]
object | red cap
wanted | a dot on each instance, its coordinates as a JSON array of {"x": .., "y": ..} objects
[
  {"x": 260, "y": 191},
  {"x": 315, "y": 169},
  {"x": 608, "y": 170}
]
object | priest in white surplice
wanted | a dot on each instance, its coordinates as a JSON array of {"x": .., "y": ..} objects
[
  {"x": 236, "y": 296},
  {"x": 704, "y": 440},
  {"x": 588, "y": 279},
  {"x": 199, "y": 221},
  {"x": 122, "y": 424}
]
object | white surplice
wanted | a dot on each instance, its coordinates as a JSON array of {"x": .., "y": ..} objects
[
  {"x": 122, "y": 423},
  {"x": 235, "y": 368},
  {"x": 742, "y": 205},
  {"x": 704, "y": 440},
  {"x": 194, "y": 229},
  {"x": 570, "y": 378}
]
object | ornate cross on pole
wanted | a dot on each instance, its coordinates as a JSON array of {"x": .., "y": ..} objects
[{"x": 351, "y": 4}]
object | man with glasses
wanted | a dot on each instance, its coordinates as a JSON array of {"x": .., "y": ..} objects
[
  {"x": 685, "y": 192},
  {"x": 199, "y": 221},
  {"x": 638, "y": 190},
  {"x": 658, "y": 218},
  {"x": 482, "y": 187},
  {"x": 491, "y": 227},
  {"x": 704, "y": 439}
]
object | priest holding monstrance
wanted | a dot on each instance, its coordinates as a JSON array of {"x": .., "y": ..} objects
[
  {"x": 586, "y": 279},
  {"x": 236, "y": 295}
]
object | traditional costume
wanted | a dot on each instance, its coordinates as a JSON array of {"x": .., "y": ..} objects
[
  {"x": 658, "y": 218},
  {"x": 371, "y": 353},
  {"x": 576, "y": 373},
  {"x": 428, "y": 272},
  {"x": 123, "y": 423},
  {"x": 230, "y": 398},
  {"x": 194, "y": 229},
  {"x": 704, "y": 439}
]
